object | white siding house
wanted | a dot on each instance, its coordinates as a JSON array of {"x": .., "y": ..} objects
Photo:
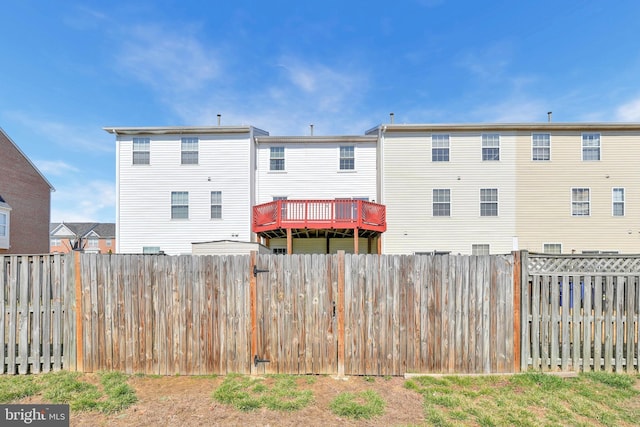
[
  {"x": 447, "y": 188},
  {"x": 316, "y": 168},
  {"x": 179, "y": 185}
]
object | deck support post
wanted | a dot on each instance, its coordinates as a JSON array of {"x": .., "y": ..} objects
[
  {"x": 289, "y": 242},
  {"x": 356, "y": 241}
]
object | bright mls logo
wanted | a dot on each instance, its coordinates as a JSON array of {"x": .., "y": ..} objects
[{"x": 34, "y": 415}]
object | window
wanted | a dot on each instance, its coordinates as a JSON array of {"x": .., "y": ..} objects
[
  {"x": 216, "y": 205},
  {"x": 591, "y": 146},
  {"x": 3, "y": 224},
  {"x": 53, "y": 242},
  {"x": 540, "y": 147},
  {"x": 480, "y": 249},
  {"x": 141, "y": 151},
  {"x": 617, "y": 198},
  {"x": 279, "y": 251},
  {"x": 580, "y": 202},
  {"x": 283, "y": 210},
  {"x": 151, "y": 250},
  {"x": 92, "y": 243},
  {"x": 276, "y": 159},
  {"x": 490, "y": 147},
  {"x": 179, "y": 205},
  {"x": 489, "y": 202},
  {"x": 189, "y": 151},
  {"x": 108, "y": 242},
  {"x": 441, "y": 202},
  {"x": 347, "y": 158},
  {"x": 552, "y": 248},
  {"x": 440, "y": 148}
]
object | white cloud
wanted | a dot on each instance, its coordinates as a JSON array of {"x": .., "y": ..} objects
[
  {"x": 55, "y": 167},
  {"x": 629, "y": 112},
  {"x": 84, "y": 201},
  {"x": 71, "y": 137},
  {"x": 168, "y": 62}
]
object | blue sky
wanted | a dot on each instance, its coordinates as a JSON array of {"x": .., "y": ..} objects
[{"x": 70, "y": 68}]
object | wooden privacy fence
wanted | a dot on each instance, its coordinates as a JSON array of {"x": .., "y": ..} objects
[
  {"x": 36, "y": 327},
  {"x": 321, "y": 314},
  {"x": 581, "y": 312}
]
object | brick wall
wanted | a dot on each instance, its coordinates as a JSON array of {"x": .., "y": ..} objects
[{"x": 29, "y": 196}]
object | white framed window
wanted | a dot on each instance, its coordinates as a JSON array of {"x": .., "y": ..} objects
[
  {"x": 488, "y": 202},
  {"x": 283, "y": 208},
  {"x": 3, "y": 224},
  {"x": 590, "y": 146},
  {"x": 276, "y": 158},
  {"x": 179, "y": 205},
  {"x": 347, "y": 157},
  {"x": 552, "y": 248},
  {"x": 441, "y": 202},
  {"x": 216, "y": 205},
  {"x": 490, "y": 146},
  {"x": 617, "y": 201},
  {"x": 189, "y": 151},
  {"x": 580, "y": 202},
  {"x": 540, "y": 147},
  {"x": 54, "y": 241},
  {"x": 92, "y": 243},
  {"x": 439, "y": 148},
  {"x": 151, "y": 250},
  {"x": 141, "y": 151},
  {"x": 480, "y": 249},
  {"x": 108, "y": 242}
]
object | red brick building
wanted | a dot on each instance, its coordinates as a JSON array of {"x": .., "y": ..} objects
[{"x": 25, "y": 202}]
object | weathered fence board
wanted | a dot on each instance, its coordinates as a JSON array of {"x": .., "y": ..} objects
[{"x": 318, "y": 314}]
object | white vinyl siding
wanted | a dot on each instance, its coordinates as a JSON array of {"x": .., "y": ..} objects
[
  {"x": 409, "y": 176},
  {"x": 312, "y": 172},
  {"x": 144, "y": 194}
]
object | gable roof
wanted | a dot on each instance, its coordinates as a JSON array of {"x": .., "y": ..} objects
[
  {"x": 83, "y": 229},
  {"x": 8, "y": 138}
]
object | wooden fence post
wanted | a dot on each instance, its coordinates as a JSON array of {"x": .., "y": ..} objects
[
  {"x": 340, "y": 304},
  {"x": 79, "y": 341},
  {"x": 517, "y": 284},
  {"x": 253, "y": 296}
]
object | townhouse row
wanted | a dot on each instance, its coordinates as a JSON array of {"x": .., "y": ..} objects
[{"x": 397, "y": 189}]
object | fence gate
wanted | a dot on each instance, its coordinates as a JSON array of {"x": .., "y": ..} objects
[
  {"x": 581, "y": 312},
  {"x": 294, "y": 314}
]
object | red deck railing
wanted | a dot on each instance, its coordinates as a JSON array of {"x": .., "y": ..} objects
[{"x": 319, "y": 214}]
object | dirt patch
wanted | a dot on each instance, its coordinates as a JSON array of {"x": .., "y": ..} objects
[{"x": 187, "y": 401}]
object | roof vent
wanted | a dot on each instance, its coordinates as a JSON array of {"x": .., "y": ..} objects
[
  {"x": 219, "y": 117},
  {"x": 391, "y": 116},
  {"x": 549, "y": 114}
]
